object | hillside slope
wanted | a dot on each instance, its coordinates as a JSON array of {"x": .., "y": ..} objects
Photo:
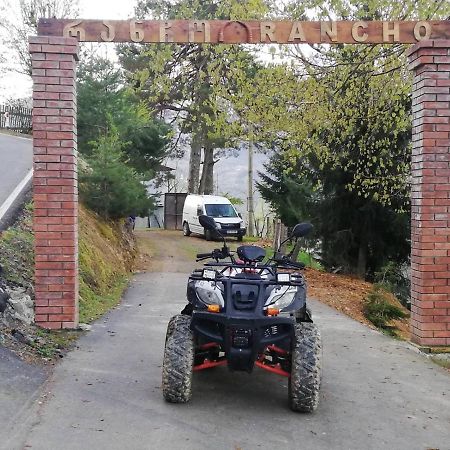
[{"x": 106, "y": 255}]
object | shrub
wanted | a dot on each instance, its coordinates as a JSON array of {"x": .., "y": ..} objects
[
  {"x": 393, "y": 277},
  {"x": 379, "y": 310},
  {"x": 109, "y": 186}
]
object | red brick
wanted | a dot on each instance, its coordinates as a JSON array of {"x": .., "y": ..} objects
[{"x": 50, "y": 325}]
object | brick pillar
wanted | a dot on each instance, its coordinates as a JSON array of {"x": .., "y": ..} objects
[
  {"x": 430, "y": 254},
  {"x": 55, "y": 189}
]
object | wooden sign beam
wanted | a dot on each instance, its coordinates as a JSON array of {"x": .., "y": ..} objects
[{"x": 250, "y": 32}]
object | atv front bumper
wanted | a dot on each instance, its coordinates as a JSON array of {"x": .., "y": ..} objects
[{"x": 242, "y": 339}]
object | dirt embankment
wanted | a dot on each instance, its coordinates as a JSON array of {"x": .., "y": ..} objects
[{"x": 106, "y": 256}]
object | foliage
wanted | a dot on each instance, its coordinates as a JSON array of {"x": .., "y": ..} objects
[
  {"x": 393, "y": 278},
  {"x": 233, "y": 200},
  {"x": 379, "y": 310},
  {"x": 340, "y": 119},
  {"x": 17, "y": 251},
  {"x": 109, "y": 186},
  {"x": 190, "y": 84},
  {"x": 104, "y": 101},
  {"x": 20, "y": 20},
  {"x": 106, "y": 253}
]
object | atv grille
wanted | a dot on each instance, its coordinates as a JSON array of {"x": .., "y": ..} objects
[
  {"x": 245, "y": 296},
  {"x": 271, "y": 331}
]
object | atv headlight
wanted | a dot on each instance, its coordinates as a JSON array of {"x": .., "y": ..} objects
[
  {"x": 209, "y": 292},
  {"x": 281, "y": 297}
]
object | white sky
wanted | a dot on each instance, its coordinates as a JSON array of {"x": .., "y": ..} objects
[
  {"x": 232, "y": 172},
  {"x": 13, "y": 85}
]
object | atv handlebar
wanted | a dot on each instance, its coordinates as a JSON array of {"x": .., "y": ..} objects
[
  {"x": 296, "y": 265},
  {"x": 203, "y": 255}
]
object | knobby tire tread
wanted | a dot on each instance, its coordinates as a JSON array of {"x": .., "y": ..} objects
[
  {"x": 178, "y": 360},
  {"x": 304, "y": 384}
]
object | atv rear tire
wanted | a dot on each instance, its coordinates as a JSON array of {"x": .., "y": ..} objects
[
  {"x": 178, "y": 360},
  {"x": 208, "y": 235},
  {"x": 304, "y": 384}
]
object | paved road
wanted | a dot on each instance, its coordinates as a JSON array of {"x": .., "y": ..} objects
[
  {"x": 16, "y": 156},
  {"x": 377, "y": 393},
  {"x": 20, "y": 386}
]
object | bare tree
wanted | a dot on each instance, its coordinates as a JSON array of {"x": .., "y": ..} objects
[{"x": 19, "y": 20}]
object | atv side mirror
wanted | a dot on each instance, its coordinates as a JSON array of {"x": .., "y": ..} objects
[
  {"x": 207, "y": 222},
  {"x": 301, "y": 229}
]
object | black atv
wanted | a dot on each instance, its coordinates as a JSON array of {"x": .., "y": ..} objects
[{"x": 245, "y": 313}]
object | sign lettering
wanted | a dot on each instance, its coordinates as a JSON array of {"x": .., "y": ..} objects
[
  {"x": 388, "y": 31},
  {"x": 356, "y": 32},
  {"x": 255, "y": 32},
  {"x": 199, "y": 27},
  {"x": 108, "y": 36},
  {"x": 296, "y": 33},
  {"x": 328, "y": 29},
  {"x": 73, "y": 29},
  {"x": 426, "y": 27}
]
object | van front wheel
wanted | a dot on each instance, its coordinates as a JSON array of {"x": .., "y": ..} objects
[
  {"x": 186, "y": 230},
  {"x": 208, "y": 235}
]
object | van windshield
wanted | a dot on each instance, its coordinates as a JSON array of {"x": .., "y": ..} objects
[{"x": 220, "y": 211}]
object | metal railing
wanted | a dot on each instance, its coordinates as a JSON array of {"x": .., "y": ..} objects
[{"x": 16, "y": 118}]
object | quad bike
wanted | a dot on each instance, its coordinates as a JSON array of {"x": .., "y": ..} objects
[{"x": 245, "y": 313}]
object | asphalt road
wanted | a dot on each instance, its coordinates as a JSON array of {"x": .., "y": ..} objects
[
  {"x": 16, "y": 160},
  {"x": 377, "y": 393}
]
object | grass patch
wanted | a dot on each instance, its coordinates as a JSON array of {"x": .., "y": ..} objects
[
  {"x": 50, "y": 343},
  {"x": 443, "y": 362},
  {"x": 303, "y": 257},
  {"x": 93, "y": 306},
  {"x": 106, "y": 253},
  {"x": 251, "y": 239},
  {"x": 17, "y": 250},
  {"x": 380, "y": 310}
]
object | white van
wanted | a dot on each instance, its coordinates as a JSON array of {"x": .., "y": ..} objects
[{"x": 224, "y": 213}]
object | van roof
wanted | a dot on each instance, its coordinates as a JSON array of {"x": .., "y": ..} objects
[{"x": 211, "y": 199}]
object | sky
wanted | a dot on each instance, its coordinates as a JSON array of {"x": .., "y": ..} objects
[{"x": 232, "y": 171}]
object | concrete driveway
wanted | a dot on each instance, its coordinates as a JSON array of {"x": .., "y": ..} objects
[{"x": 377, "y": 393}]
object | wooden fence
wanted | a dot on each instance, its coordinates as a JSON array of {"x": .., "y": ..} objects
[{"x": 16, "y": 118}]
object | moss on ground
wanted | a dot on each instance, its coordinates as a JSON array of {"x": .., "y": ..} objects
[
  {"x": 106, "y": 257},
  {"x": 106, "y": 254},
  {"x": 17, "y": 250}
]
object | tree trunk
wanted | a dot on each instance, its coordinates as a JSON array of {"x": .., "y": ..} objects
[
  {"x": 207, "y": 180},
  {"x": 194, "y": 163},
  {"x": 362, "y": 258},
  {"x": 296, "y": 250}
]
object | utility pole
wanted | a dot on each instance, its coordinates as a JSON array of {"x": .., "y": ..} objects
[{"x": 250, "y": 209}]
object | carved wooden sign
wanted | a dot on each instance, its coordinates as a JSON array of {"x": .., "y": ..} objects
[{"x": 252, "y": 32}]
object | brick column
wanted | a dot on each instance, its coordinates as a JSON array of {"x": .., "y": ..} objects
[
  {"x": 430, "y": 254},
  {"x": 55, "y": 189}
]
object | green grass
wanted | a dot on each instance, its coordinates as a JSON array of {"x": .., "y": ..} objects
[
  {"x": 303, "y": 257},
  {"x": 445, "y": 363},
  {"x": 379, "y": 310},
  {"x": 49, "y": 343},
  {"x": 93, "y": 305},
  {"x": 17, "y": 250}
]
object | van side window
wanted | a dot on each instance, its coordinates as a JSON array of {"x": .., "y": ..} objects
[{"x": 199, "y": 210}]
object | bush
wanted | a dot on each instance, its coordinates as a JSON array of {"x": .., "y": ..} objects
[
  {"x": 393, "y": 277},
  {"x": 109, "y": 186},
  {"x": 379, "y": 310}
]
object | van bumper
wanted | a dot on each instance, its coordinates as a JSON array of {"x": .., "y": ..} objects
[{"x": 236, "y": 232}]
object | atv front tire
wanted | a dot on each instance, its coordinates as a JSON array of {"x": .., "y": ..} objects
[
  {"x": 178, "y": 360},
  {"x": 304, "y": 384}
]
